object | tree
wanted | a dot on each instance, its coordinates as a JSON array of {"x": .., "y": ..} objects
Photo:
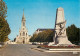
[
  {"x": 44, "y": 36},
  {"x": 73, "y": 34},
  {"x": 50, "y": 36},
  {"x": 3, "y": 9},
  {"x": 33, "y": 38},
  {"x": 4, "y": 26},
  {"x": 4, "y": 30}
]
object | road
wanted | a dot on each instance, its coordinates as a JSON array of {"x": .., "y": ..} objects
[{"x": 25, "y": 50}]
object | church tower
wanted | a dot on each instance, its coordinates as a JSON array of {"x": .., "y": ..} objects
[
  {"x": 23, "y": 31},
  {"x": 23, "y": 36}
]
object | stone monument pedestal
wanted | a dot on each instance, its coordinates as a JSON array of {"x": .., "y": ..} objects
[{"x": 60, "y": 37}]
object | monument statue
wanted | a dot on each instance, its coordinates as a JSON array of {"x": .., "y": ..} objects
[{"x": 60, "y": 37}]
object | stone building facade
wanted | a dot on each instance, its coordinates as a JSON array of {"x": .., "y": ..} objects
[
  {"x": 41, "y": 30},
  {"x": 23, "y": 37}
]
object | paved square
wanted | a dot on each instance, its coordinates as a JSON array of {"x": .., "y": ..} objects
[{"x": 25, "y": 50}]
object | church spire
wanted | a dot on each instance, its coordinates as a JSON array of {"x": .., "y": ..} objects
[
  {"x": 23, "y": 20},
  {"x": 23, "y": 17}
]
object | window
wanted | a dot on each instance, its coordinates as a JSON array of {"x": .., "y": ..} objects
[
  {"x": 26, "y": 34},
  {"x": 23, "y": 33}
]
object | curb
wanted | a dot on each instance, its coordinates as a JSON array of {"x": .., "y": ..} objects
[
  {"x": 2, "y": 46},
  {"x": 43, "y": 50}
]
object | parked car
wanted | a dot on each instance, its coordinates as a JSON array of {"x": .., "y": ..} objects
[{"x": 33, "y": 43}]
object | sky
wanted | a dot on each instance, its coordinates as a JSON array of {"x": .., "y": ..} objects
[{"x": 39, "y": 14}]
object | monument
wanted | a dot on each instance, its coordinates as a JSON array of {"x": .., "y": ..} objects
[
  {"x": 23, "y": 36},
  {"x": 60, "y": 37}
]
